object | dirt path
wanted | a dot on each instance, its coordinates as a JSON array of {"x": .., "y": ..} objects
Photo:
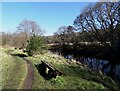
[{"x": 29, "y": 77}]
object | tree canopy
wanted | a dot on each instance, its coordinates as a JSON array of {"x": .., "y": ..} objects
[{"x": 101, "y": 18}]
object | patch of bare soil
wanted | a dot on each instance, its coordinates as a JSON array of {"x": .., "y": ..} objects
[{"x": 30, "y": 75}]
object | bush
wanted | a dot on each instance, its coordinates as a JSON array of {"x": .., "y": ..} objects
[
  {"x": 58, "y": 80},
  {"x": 35, "y": 45}
]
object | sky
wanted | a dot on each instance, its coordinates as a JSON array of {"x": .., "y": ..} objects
[{"x": 49, "y": 15}]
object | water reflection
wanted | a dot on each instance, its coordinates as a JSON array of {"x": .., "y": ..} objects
[{"x": 97, "y": 64}]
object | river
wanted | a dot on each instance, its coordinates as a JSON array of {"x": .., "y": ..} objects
[{"x": 98, "y": 64}]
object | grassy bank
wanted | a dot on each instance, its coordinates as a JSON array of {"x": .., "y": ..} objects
[
  {"x": 76, "y": 76},
  {"x": 13, "y": 70}
]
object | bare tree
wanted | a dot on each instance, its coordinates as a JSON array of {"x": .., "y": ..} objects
[
  {"x": 7, "y": 39},
  {"x": 19, "y": 39},
  {"x": 26, "y": 29},
  {"x": 30, "y": 27},
  {"x": 101, "y": 18},
  {"x": 65, "y": 34}
]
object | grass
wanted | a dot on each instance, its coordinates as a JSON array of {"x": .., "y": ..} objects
[
  {"x": 75, "y": 76},
  {"x": 13, "y": 70}
]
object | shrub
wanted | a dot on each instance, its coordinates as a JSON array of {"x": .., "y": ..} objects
[
  {"x": 59, "y": 81},
  {"x": 35, "y": 45}
]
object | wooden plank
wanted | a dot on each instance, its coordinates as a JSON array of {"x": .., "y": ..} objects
[{"x": 52, "y": 68}]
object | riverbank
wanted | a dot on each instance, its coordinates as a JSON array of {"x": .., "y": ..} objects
[
  {"x": 76, "y": 75},
  {"x": 96, "y": 56}
]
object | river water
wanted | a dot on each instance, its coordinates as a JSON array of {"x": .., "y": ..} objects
[{"x": 98, "y": 64}]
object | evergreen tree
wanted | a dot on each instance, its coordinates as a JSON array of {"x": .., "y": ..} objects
[{"x": 35, "y": 45}]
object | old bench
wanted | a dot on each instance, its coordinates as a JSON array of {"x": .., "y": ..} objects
[
  {"x": 51, "y": 70},
  {"x": 47, "y": 70}
]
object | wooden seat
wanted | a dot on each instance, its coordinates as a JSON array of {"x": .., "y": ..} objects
[{"x": 52, "y": 71}]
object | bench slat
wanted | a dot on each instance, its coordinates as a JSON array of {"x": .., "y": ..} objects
[{"x": 52, "y": 68}]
